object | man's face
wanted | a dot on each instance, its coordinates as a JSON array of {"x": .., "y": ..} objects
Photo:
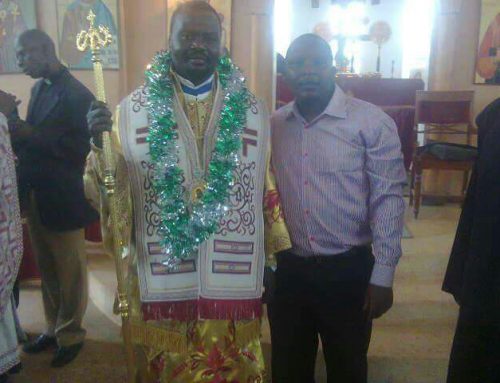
[
  {"x": 32, "y": 58},
  {"x": 309, "y": 71},
  {"x": 195, "y": 44}
]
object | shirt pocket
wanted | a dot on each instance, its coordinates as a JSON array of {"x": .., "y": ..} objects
[{"x": 337, "y": 156}]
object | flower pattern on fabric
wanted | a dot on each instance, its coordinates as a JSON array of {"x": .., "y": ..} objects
[{"x": 213, "y": 356}]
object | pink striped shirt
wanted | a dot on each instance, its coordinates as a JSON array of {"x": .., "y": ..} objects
[{"x": 341, "y": 180}]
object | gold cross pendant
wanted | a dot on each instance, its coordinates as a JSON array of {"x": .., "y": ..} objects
[{"x": 197, "y": 191}]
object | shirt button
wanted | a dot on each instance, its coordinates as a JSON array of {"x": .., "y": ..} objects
[{"x": 311, "y": 238}]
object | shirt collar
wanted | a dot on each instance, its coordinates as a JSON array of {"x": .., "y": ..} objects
[
  {"x": 190, "y": 88},
  {"x": 56, "y": 76},
  {"x": 335, "y": 108}
]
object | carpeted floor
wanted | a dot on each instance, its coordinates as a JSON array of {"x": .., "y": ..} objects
[{"x": 100, "y": 361}]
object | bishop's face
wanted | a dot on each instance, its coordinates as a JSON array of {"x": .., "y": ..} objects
[{"x": 195, "y": 44}]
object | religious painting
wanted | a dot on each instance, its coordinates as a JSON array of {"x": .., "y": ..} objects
[
  {"x": 16, "y": 16},
  {"x": 72, "y": 18},
  {"x": 488, "y": 55},
  {"x": 223, "y": 7}
]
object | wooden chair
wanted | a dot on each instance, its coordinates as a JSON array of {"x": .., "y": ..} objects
[{"x": 442, "y": 113}]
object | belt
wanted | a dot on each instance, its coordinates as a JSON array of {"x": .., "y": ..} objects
[{"x": 288, "y": 256}]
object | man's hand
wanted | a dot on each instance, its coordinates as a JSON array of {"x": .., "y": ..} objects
[
  {"x": 8, "y": 103},
  {"x": 99, "y": 120},
  {"x": 20, "y": 130},
  {"x": 378, "y": 301}
]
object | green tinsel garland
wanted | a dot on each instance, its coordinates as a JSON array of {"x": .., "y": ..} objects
[{"x": 183, "y": 226}]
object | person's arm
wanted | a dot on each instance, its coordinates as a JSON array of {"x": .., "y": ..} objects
[
  {"x": 276, "y": 235},
  {"x": 68, "y": 141},
  {"x": 386, "y": 175},
  {"x": 75, "y": 144},
  {"x": 19, "y": 130},
  {"x": 8, "y": 104},
  {"x": 95, "y": 190},
  {"x": 453, "y": 280}
]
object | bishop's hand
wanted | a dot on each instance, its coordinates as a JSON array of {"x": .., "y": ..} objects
[{"x": 99, "y": 120}]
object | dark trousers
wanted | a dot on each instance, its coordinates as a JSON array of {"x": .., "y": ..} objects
[
  {"x": 475, "y": 355},
  {"x": 321, "y": 296}
]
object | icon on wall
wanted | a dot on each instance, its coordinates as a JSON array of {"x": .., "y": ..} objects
[
  {"x": 16, "y": 16},
  {"x": 72, "y": 18},
  {"x": 488, "y": 55}
]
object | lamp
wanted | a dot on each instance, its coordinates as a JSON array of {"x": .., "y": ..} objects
[{"x": 380, "y": 33}]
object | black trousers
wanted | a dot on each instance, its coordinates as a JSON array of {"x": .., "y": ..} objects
[
  {"x": 475, "y": 355},
  {"x": 321, "y": 296}
]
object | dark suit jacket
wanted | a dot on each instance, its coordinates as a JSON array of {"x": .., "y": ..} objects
[
  {"x": 473, "y": 274},
  {"x": 52, "y": 162}
]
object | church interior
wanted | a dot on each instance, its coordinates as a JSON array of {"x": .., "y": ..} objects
[{"x": 392, "y": 53}]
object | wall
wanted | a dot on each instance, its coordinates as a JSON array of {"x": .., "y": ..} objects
[
  {"x": 454, "y": 51},
  {"x": 252, "y": 45},
  {"x": 145, "y": 33},
  {"x": 20, "y": 85}
]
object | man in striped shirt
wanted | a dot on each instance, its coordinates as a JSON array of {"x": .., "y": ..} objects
[{"x": 340, "y": 174}]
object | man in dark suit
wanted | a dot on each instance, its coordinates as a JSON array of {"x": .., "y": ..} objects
[
  {"x": 52, "y": 145},
  {"x": 473, "y": 274}
]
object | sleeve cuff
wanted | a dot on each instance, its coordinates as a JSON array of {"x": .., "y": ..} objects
[{"x": 382, "y": 275}]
